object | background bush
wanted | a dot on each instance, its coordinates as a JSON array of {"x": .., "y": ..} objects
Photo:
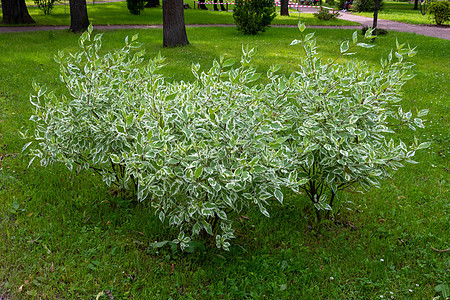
[
  {"x": 135, "y": 6},
  {"x": 440, "y": 10},
  {"x": 366, "y": 5},
  {"x": 253, "y": 16},
  {"x": 45, "y": 5},
  {"x": 326, "y": 14},
  {"x": 339, "y": 4}
]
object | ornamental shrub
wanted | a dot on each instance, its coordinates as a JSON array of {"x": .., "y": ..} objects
[
  {"x": 326, "y": 14},
  {"x": 253, "y": 16},
  {"x": 366, "y": 5},
  {"x": 135, "y": 6},
  {"x": 203, "y": 152},
  {"x": 197, "y": 151},
  {"x": 339, "y": 121},
  {"x": 440, "y": 11}
]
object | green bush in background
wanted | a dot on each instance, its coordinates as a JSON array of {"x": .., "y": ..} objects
[
  {"x": 440, "y": 10},
  {"x": 253, "y": 16}
]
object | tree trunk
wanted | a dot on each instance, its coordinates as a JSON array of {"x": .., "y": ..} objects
[
  {"x": 416, "y": 4},
  {"x": 284, "y": 8},
  {"x": 79, "y": 20},
  {"x": 375, "y": 16},
  {"x": 15, "y": 12},
  {"x": 174, "y": 29},
  {"x": 153, "y": 3}
]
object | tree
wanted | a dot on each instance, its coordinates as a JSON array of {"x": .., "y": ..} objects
[
  {"x": 284, "y": 10},
  {"x": 16, "y": 12},
  {"x": 79, "y": 20},
  {"x": 416, "y": 4},
  {"x": 174, "y": 29}
]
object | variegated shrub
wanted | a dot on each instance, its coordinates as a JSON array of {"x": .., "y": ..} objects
[
  {"x": 339, "y": 118},
  {"x": 198, "y": 151},
  {"x": 203, "y": 151}
]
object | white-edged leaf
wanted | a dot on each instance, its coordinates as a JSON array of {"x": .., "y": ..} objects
[{"x": 279, "y": 195}]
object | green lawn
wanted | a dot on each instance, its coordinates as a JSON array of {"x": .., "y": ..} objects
[
  {"x": 64, "y": 235},
  {"x": 401, "y": 12},
  {"x": 117, "y": 13}
]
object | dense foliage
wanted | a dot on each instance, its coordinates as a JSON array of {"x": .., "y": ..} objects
[
  {"x": 326, "y": 14},
  {"x": 440, "y": 10},
  {"x": 339, "y": 118},
  {"x": 45, "y": 5},
  {"x": 366, "y": 5},
  {"x": 253, "y": 16},
  {"x": 202, "y": 152},
  {"x": 135, "y": 6}
]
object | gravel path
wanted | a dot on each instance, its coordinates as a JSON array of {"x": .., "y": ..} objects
[{"x": 442, "y": 32}]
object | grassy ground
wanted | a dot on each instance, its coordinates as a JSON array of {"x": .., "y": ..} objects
[
  {"x": 63, "y": 235},
  {"x": 117, "y": 13},
  {"x": 400, "y": 12}
]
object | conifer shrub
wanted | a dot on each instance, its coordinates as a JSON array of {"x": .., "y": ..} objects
[
  {"x": 135, "y": 6},
  {"x": 253, "y": 16}
]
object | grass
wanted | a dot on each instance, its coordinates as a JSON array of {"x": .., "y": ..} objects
[
  {"x": 400, "y": 12},
  {"x": 116, "y": 13},
  {"x": 64, "y": 235}
]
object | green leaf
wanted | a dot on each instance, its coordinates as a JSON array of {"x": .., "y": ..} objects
[
  {"x": 26, "y": 146},
  {"x": 120, "y": 129},
  {"x": 173, "y": 161},
  {"x": 276, "y": 125},
  {"x": 129, "y": 120},
  {"x": 301, "y": 26},
  {"x": 229, "y": 62},
  {"x": 221, "y": 214},
  {"x": 425, "y": 145},
  {"x": 149, "y": 135},
  {"x": 309, "y": 36},
  {"x": 344, "y": 46},
  {"x": 207, "y": 227},
  {"x": 355, "y": 37},
  {"x": 198, "y": 172},
  {"x": 364, "y": 45},
  {"x": 115, "y": 158},
  {"x": 161, "y": 216},
  {"x": 263, "y": 210},
  {"x": 279, "y": 195}
]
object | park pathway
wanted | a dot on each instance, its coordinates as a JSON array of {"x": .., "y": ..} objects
[{"x": 427, "y": 30}]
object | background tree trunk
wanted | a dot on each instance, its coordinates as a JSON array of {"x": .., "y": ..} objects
[
  {"x": 15, "y": 12},
  {"x": 375, "y": 16},
  {"x": 174, "y": 29},
  {"x": 153, "y": 3},
  {"x": 79, "y": 20},
  {"x": 284, "y": 8},
  {"x": 416, "y": 4}
]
